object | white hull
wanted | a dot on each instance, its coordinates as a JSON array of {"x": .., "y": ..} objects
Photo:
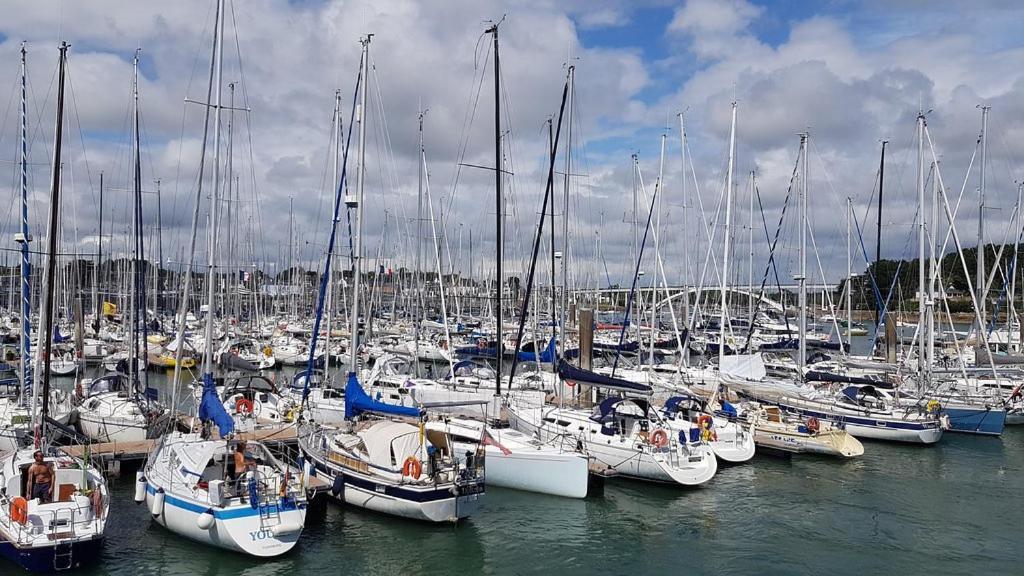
[{"x": 236, "y": 528}]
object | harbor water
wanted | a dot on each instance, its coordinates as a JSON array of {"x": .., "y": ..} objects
[
  {"x": 953, "y": 508},
  {"x": 950, "y": 508}
]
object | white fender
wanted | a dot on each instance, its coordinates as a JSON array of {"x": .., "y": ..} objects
[
  {"x": 286, "y": 528},
  {"x": 205, "y": 520},
  {"x": 156, "y": 507},
  {"x": 140, "y": 487}
]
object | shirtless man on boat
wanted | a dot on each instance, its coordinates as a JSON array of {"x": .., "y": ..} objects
[{"x": 40, "y": 479}]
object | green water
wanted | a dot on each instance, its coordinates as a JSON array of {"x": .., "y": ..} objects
[{"x": 952, "y": 508}]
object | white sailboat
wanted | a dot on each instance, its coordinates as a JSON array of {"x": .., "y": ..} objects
[
  {"x": 63, "y": 527},
  {"x": 190, "y": 482}
]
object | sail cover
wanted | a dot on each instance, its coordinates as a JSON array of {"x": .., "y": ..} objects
[
  {"x": 569, "y": 372},
  {"x": 211, "y": 409},
  {"x": 746, "y": 366},
  {"x": 358, "y": 401}
]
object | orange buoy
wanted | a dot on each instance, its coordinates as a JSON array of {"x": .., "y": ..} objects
[
  {"x": 659, "y": 438},
  {"x": 243, "y": 406},
  {"x": 19, "y": 510},
  {"x": 412, "y": 467}
]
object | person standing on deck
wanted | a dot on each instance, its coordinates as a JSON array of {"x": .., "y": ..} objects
[{"x": 40, "y": 479}]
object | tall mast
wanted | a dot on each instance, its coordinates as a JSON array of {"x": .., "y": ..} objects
[
  {"x": 878, "y": 228},
  {"x": 138, "y": 307},
  {"x": 723, "y": 315},
  {"x": 330, "y": 265},
  {"x": 159, "y": 250},
  {"x": 750, "y": 262},
  {"x": 419, "y": 246},
  {"x": 23, "y": 239},
  {"x": 657, "y": 253},
  {"x": 46, "y": 314},
  {"x": 849, "y": 270},
  {"x": 499, "y": 213},
  {"x": 357, "y": 261},
  {"x": 980, "y": 282},
  {"x": 686, "y": 206},
  {"x": 96, "y": 273},
  {"x": 211, "y": 252},
  {"x": 802, "y": 354},
  {"x": 921, "y": 361},
  {"x": 565, "y": 209}
]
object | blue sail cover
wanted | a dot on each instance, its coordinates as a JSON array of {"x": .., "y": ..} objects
[
  {"x": 212, "y": 409},
  {"x": 569, "y": 372},
  {"x": 547, "y": 355},
  {"x": 358, "y": 401}
]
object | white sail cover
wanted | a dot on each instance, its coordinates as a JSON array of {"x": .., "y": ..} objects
[
  {"x": 388, "y": 444},
  {"x": 744, "y": 366}
]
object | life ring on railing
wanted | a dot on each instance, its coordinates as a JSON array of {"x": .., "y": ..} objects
[
  {"x": 570, "y": 383},
  {"x": 19, "y": 510},
  {"x": 412, "y": 467},
  {"x": 933, "y": 406},
  {"x": 813, "y": 425},
  {"x": 659, "y": 438},
  {"x": 243, "y": 406},
  {"x": 705, "y": 422},
  {"x": 481, "y": 343}
]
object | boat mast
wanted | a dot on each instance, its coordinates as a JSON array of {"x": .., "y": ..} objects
[
  {"x": 46, "y": 320},
  {"x": 138, "y": 305},
  {"x": 802, "y": 279},
  {"x": 981, "y": 284},
  {"x": 921, "y": 361},
  {"x": 750, "y": 262},
  {"x": 686, "y": 206},
  {"x": 723, "y": 314},
  {"x": 330, "y": 264},
  {"x": 418, "y": 318},
  {"x": 849, "y": 272},
  {"x": 565, "y": 211},
  {"x": 211, "y": 252},
  {"x": 96, "y": 273},
  {"x": 878, "y": 230},
  {"x": 499, "y": 213},
  {"x": 357, "y": 261},
  {"x": 23, "y": 239}
]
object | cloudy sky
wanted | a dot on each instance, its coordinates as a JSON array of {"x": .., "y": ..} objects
[{"x": 849, "y": 73}]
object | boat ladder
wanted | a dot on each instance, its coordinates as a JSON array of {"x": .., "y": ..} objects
[
  {"x": 62, "y": 555},
  {"x": 269, "y": 508}
]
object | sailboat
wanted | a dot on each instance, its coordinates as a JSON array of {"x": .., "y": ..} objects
[
  {"x": 118, "y": 407},
  {"x": 383, "y": 458},
  {"x": 190, "y": 482},
  {"x": 64, "y": 530}
]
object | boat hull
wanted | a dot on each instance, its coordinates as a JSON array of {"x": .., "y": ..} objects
[
  {"x": 975, "y": 419},
  {"x": 237, "y": 528},
  {"x": 424, "y": 503}
]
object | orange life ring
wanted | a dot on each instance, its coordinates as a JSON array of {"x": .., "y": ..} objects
[
  {"x": 705, "y": 422},
  {"x": 412, "y": 467},
  {"x": 19, "y": 510},
  {"x": 659, "y": 438},
  {"x": 243, "y": 406},
  {"x": 813, "y": 425}
]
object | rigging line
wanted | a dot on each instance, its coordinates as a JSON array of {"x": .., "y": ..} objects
[
  {"x": 636, "y": 274},
  {"x": 771, "y": 265},
  {"x": 467, "y": 122},
  {"x": 548, "y": 192}
]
